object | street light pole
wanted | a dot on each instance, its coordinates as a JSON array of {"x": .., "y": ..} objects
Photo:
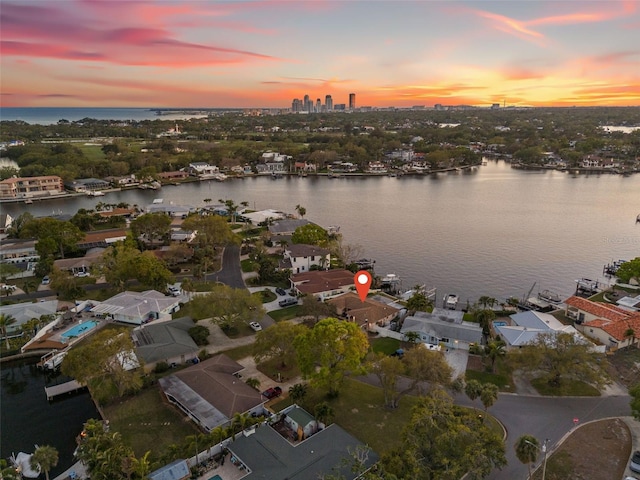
[{"x": 544, "y": 452}]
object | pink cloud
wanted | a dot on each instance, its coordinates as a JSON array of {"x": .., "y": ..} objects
[{"x": 47, "y": 32}]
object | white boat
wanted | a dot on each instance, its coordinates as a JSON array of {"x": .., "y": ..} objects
[
  {"x": 22, "y": 464},
  {"x": 450, "y": 301},
  {"x": 95, "y": 193},
  {"x": 55, "y": 361},
  {"x": 549, "y": 297}
]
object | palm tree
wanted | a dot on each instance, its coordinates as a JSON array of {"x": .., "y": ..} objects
[
  {"x": 28, "y": 286},
  {"x": 297, "y": 392},
  {"x": 188, "y": 286},
  {"x": 324, "y": 413},
  {"x": 527, "y": 447},
  {"x": 472, "y": 389},
  {"x": 240, "y": 421},
  {"x": 283, "y": 244},
  {"x": 493, "y": 350},
  {"x": 411, "y": 337},
  {"x": 301, "y": 211},
  {"x": 44, "y": 458},
  {"x": 253, "y": 382},
  {"x": 5, "y": 321},
  {"x": 488, "y": 395}
]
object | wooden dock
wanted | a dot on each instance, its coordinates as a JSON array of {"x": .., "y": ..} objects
[{"x": 57, "y": 390}]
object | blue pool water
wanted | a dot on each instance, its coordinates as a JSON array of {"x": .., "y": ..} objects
[
  {"x": 79, "y": 329},
  {"x": 499, "y": 324},
  {"x": 216, "y": 477}
]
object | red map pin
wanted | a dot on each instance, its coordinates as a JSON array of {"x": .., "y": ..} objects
[{"x": 362, "y": 280}]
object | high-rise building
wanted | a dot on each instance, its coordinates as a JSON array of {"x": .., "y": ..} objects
[
  {"x": 307, "y": 104},
  {"x": 352, "y": 101},
  {"x": 328, "y": 102},
  {"x": 318, "y": 105},
  {"x": 296, "y": 105}
]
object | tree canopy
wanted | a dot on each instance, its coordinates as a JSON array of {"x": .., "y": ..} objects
[
  {"x": 310, "y": 234},
  {"x": 443, "y": 441},
  {"x": 629, "y": 270},
  {"x": 277, "y": 341},
  {"x": 112, "y": 358},
  {"x": 226, "y": 306},
  {"x": 562, "y": 356},
  {"x": 328, "y": 351}
]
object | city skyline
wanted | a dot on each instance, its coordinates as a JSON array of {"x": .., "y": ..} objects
[{"x": 83, "y": 53}]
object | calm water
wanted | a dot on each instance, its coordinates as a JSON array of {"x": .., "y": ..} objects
[
  {"x": 27, "y": 418},
  {"x": 51, "y": 115},
  {"x": 492, "y": 231}
]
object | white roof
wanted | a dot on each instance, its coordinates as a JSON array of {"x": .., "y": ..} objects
[
  {"x": 136, "y": 304},
  {"x": 263, "y": 216}
]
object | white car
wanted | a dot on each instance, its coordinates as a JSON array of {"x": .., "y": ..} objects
[
  {"x": 46, "y": 280},
  {"x": 255, "y": 326},
  {"x": 82, "y": 274}
]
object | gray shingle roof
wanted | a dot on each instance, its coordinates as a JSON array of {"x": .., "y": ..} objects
[
  {"x": 163, "y": 340},
  {"x": 436, "y": 327},
  {"x": 268, "y": 455}
]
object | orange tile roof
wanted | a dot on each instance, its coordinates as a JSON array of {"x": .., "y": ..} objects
[
  {"x": 369, "y": 310},
  {"x": 322, "y": 280},
  {"x": 618, "y": 329},
  {"x": 602, "y": 310}
]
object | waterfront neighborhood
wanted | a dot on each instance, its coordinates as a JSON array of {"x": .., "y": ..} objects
[{"x": 237, "y": 332}]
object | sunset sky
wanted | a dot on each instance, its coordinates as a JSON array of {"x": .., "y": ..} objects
[{"x": 116, "y": 53}]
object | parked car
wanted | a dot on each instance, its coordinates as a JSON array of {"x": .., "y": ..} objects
[
  {"x": 272, "y": 392},
  {"x": 255, "y": 326},
  {"x": 46, "y": 280},
  {"x": 173, "y": 291},
  {"x": 398, "y": 353},
  {"x": 82, "y": 274},
  {"x": 281, "y": 291},
  {"x": 635, "y": 462},
  {"x": 287, "y": 302}
]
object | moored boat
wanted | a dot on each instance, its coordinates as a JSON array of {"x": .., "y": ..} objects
[
  {"x": 22, "y": 464},
  {"x": 450, "y": 301}
]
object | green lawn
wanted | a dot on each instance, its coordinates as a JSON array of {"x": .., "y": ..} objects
[
  {"x": 146, "y": 422},
  {"x": 285, "y": 313},
  {"x": 247, "y": 265},
  {"x": 568, "y": 388},
  {"x": 239, "y": 352},
  {"x": 265, "y": 295},
  {"x": 92, "y": 152},
  {"x": 501, "y": 381},
  {"x": 385, "y": 345}
]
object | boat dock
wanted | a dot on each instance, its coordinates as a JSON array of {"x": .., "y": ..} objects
[{"x": 63, "y": 388}]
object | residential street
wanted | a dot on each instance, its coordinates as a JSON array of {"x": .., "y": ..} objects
[{"x": 230, "y": 273}]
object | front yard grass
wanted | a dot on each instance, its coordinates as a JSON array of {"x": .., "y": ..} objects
[
  {"x": 146, "y": 422},
  {"x": 285, "y": 313},
  {"x": 386, "y": 345},
  {"x": 568, "y": 388},
  {"x": 501, "y": 381},
  {"x": 273, "y": 369},
  {"x": 247, "y": 265},
  {"x": 265, "y": 295}
]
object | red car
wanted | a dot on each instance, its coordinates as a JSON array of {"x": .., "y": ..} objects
[{"x": 272, "y": 392}]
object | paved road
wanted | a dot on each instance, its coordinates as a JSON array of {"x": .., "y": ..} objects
[
  {"x": 542, "y": 417},
  {"x": 230, "y": 273}
]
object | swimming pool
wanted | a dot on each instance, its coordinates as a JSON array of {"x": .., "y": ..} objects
[
  {"x": 79, "y": 329},
  {"x": 216, "y": 477},
  {"x": 499, "y": 324}
]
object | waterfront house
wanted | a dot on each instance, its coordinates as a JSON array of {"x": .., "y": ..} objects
[
  {"x": 84, "y": 185},
  {"x": 367, "y": 313},
  {"x": 323, "y": 284},
  {"x": 301, "y": 258},
  {"x": 265, "y": 452},
  {"x": 443, "y": 326},
  {"x": 167, "y": 342},
  {"x": 287, "y": 226},
  {"x": 210, "y": 392},
  {"x": 173, "y": 176},
  {"x": 170, "y": 209},
  {"x": 31, "y": 187},
  {"x": 138, "y": 308},
  {"x": 582, "y": 310},
  {"x": 376, "y": 167},
  {"x": 262, "y": 216},
  {"x": 526, "y": 326},
  {"x": 178, "y": 470},
  {"x": 202, "y": 170},
  {"x": 23, "y": 312},
  {"x": 612, "y": 326}
]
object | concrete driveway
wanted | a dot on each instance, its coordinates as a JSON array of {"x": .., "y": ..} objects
[
  {"x": 274, "y": 305},
  {"x": 457, "y": 359}
]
